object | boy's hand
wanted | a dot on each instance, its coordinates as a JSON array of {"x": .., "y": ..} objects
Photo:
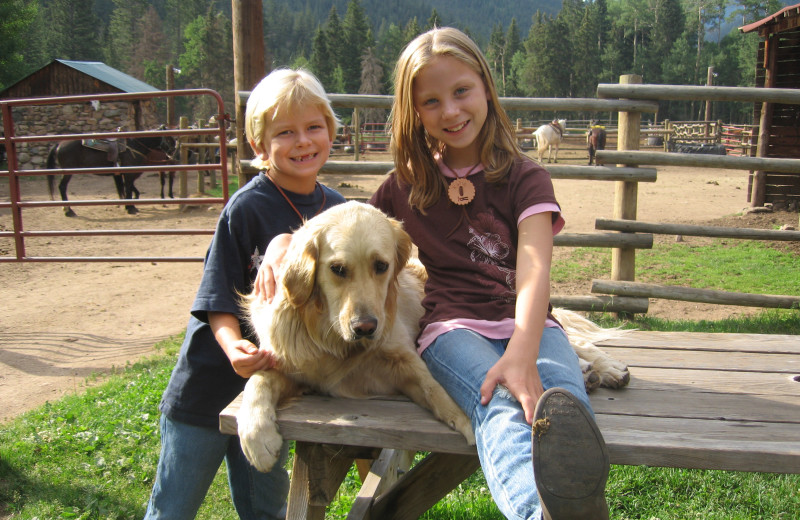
[
  {"x": 247, "y": 359},
  {"x": 266, "y": 281}
]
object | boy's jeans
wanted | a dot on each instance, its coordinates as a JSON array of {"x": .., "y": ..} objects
[
  {"x": 459, "y": 360},
  {"x": 190, "y": 458}
]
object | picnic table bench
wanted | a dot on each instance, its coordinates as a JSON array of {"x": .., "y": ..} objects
[{"x": 695, "y": 400}]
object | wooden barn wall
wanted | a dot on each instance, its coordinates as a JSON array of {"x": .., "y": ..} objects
[
  {"x": 784, "y": 138},
  {"x": 58, "y": 80}
]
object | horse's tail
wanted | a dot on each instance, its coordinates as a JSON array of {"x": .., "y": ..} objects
[{"x": 51, "y": 164}]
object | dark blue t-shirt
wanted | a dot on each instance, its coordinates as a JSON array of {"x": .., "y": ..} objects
[{"x": 203, "y": 381}]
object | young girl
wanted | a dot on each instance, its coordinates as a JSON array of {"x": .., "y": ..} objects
[{"x": 483, "y": 217}]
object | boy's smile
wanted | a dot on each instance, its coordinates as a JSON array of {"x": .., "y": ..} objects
[
  {"x": 297, "y": 143},
  {"x": 452, "y": 104}
]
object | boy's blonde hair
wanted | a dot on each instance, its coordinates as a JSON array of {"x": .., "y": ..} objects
[
  {"x": 284, "y": 90},
  {"x": 412, "y": 148}
]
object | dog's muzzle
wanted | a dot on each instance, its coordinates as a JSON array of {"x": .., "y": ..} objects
[{"x": 364, "y": 326}]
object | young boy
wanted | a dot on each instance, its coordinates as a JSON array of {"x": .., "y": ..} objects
[{"x": 291, "y": 126}]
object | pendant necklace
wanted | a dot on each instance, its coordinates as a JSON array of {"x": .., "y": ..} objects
[
  {"x": 280, "y": 190},
  {"x": 461, "y": 191}
]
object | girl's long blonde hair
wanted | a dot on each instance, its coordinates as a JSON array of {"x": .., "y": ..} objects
[{"x": 413, "y": 149}]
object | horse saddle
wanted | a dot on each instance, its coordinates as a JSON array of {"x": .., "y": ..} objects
[{"x": 113, "y": 147}]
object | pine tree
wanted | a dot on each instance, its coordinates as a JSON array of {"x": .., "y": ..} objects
[
  {"x": 16, "y": 19},
  {"x": 150, "y": 50},
  {"x": 73, "y": 30},
  {"x": 513, "y": 46},
  {"x": 206, "y": 63},
  {"x": 371, "y": 83},
  {"x": 122, "y": 33},
  {"x": 390, "y": 44},
  {"x": 585, "y": 59},
  {"x": 356, "y": 35},
  {"x": 335, "y": 38},
  {"x": 321, "y": 60},
  {"x": 178, "y": 14},
  {"x": 495, "y": 55},
  {"x": 412, "y": 30},
  {"x": 434, "y": 21}
]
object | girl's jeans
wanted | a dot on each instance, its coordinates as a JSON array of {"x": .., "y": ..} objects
[
  {"x": 190, "y": 458},
  {"x": 459, "y": 360}
]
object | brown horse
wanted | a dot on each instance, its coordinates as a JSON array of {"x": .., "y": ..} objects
[
  {"x": 595, "y": 140},
  {"x": 135, "y": 152}
]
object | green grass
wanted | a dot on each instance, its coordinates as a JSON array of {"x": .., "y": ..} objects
[
  {"x": 92, "y": 455},
  {"x": 741, "y": 266},
  {"x": 233, "y": 185}
]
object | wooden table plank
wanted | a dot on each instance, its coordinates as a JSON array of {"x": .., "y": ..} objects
[
  {"x": 698, "y": 359},
  {"x": 753, "y": 383},
  {"x": 702, "y": 444},
  {"x": 716, "y": 341},
  {"x": 697, "y": 404},
  {"x": 381, "y": 423}
]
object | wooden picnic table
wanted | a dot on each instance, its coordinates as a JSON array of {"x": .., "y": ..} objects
[{"x": 695, "y": 400}]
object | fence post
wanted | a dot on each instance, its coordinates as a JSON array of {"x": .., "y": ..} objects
[
  {"x": 623, "y": 260},
  {"x": 356, "y": 134},
  {"x": 183, "y": 184},
  {"x": 200, "y": 153}
]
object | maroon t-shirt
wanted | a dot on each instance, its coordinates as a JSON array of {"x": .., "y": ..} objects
[{"x": 470, "y": 251}]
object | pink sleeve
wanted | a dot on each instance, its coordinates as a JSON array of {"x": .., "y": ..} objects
[{"x": 558, "y": 223}]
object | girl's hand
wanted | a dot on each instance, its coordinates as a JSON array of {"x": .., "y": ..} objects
[
  {"x": 246, "y": 359},
  {"x": 519, "y": 375},
  {"x": 266, "y": 280}
]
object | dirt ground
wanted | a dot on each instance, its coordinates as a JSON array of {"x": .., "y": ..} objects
[{"x": 62, "y": 322}]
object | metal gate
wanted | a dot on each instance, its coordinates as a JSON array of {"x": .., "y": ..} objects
[{"x": 185, "y": 137}]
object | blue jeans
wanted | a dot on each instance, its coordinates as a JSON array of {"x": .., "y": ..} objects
[
  {"x": 459, "y": 360},
  {"x": 190, "y": 458}
]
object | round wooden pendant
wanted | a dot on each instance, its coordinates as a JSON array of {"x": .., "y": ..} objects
[{"x": 461, "y": 191}]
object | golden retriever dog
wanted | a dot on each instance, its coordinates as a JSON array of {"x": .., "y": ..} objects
[{"x": 344, "y": 321}]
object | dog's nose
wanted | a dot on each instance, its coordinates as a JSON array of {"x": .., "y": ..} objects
[{"x": 364, "y": 326}]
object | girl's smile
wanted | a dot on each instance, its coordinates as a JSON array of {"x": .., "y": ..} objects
[{"x": 451, "y": 102}]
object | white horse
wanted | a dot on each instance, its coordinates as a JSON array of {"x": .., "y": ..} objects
[{"x": 549, "y": 136}]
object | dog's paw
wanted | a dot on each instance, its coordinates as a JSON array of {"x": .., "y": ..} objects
[
  {"x": 261, "y": 442},
  {"x": 591, "y": 379},
  {"x": 614, "y": 374},
  {"x": 462, "y": 425}
]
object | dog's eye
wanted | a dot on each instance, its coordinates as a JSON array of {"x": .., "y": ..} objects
[
  {"x": 381, "y": 266},
  {"x": 339, "y": 270}
]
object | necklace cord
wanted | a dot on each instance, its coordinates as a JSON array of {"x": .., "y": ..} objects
[{"x": 286, "y": 197}]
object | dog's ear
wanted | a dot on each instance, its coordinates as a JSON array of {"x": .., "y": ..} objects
[
  {"x": 403, "y": 244},
  {"x": 299, "y": 276}
]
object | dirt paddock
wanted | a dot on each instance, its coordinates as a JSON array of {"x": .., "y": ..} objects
[{"x": 61, "y": 322}]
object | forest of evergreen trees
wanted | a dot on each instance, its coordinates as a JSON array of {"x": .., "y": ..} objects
[{"x": 537, "y": 48}]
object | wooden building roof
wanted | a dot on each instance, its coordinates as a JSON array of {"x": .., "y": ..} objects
[
  {"x": 786, "y": 18},
  {"x": 66, "y": 78}
]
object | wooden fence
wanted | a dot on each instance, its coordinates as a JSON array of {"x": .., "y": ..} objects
[{"x": 621, "y": 293}]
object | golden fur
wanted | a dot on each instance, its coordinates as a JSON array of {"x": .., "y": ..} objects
[{"x": 343, "y": 323}]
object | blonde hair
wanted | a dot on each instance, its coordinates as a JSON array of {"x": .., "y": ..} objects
[
  {"x": 284, "y": 90},
  {"x": 413, "y": 148}
]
